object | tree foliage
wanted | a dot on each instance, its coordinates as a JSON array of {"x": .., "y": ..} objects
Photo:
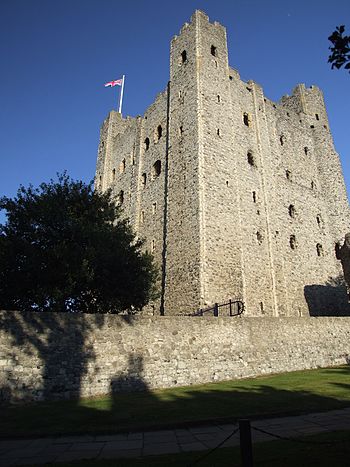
[
  {"x": 65, "y": 247},
  {"x": 340, "y": 49}
]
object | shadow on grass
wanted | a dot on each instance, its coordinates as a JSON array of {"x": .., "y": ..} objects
[
  {"x": 222, "y": 402},
  {"x": 65, "y": 349}
]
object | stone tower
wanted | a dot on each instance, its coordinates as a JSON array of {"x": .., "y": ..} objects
[{"x": 236, "y": 196}]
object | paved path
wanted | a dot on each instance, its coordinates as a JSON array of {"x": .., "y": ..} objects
[{"x": 148, "y": 443}]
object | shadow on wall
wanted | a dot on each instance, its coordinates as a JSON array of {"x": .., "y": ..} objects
[
  {"x": 328, "y": 300},
  {"x": 61, "y": 346}
]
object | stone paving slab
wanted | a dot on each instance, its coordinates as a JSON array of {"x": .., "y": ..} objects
[{"x": 198, "y": 438}]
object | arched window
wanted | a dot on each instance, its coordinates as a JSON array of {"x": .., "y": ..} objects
[
  {"x": 156, "y": 169},
  {"x": 184, "y": 56}
]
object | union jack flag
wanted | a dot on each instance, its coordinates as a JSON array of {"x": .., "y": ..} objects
[{"x": 117, "y": 82}]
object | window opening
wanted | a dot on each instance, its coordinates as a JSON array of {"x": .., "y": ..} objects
[
  {"x": 181, "y": 130},
  {"x": 292, "y": 242},
  {"x": 259, "y": 237},
  {"x": 282, "y": 140},
  {"x": 317, "y": 117},
  {"x": 219, "y": 98},
  {"x": 144, "y": 179},
  {"x": 153, "y": 246},
  {"x": 122, "y": 166},
  {"x": 319, "y": 249},
  {"x": 254, "y": 197},
  {"x": 288, "y": 174},
  {"x": 246, "y": 119},
  {"x": 313, "y": 186},
  {"x": 184, "y": 56},
  {"x": 226, "y": 182},
  {"x": 146, "y": 144},
  {"x": 250, "y": 159},
  {"x": 312, "y": 126},
  {"x": 213, "y": 51},
  {"x": 154, "y": 208},
  {"x": 159, "y": 132},
  {"x": 121, "y": 197},
  {"x": 306, "y": 150},
  {"x": 291, "y": 211},
  {"x": 113, "y": 175},
  {"x": 157, "y": 166},
  {"x": 262, "y": 308},
  {"x": 319, "y": 220},
  {"x": 218, "y": 131}
]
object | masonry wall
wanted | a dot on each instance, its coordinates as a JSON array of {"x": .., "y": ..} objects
[
  {"x": 48, "y": 355},
  {"x": 250, "y": 199}
]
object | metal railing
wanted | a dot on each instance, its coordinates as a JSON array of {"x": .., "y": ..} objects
[{"x": 231, "y": 308}]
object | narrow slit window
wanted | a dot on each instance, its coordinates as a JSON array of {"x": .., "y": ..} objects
[
  {"x": 317, "y": 116},
  {"x": 144, "y": 180},
  {"x": 282, "y": 140},
  {"x": 288, "y": 174},
  {"x": 157, "y": 168},
  {"x": 181, "y": 130},
  {"x": 291, "y": 211},
  {"x": 292, "y": 242},
  {"x": 259, "y": 237},
  {"x": 159, "y": 132},
  {"x": 121, "y": 197},
  {"x": 306, "y": 150},
  {"x": 254, "y": 197},
  {"x": 184, "y": 56},
  {"x": 218, "y": 131},
  {"x": 213, "y": 51},
  {"x": 319, "y": 249},
  {"x": 147, "y": 144},
  {"x": 319, "y": 220},
  {"x": 219, "y": 98},
  {"x": 154, "y": 208},
  {"x": 122, "y": 166},
  {"x": 113, "y": 175},
  {"x": 153, "y": 246},
  {"x": 250, "y": 159}
]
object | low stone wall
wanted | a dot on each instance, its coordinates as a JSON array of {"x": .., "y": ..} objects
[{"x": 50, "y": 355}]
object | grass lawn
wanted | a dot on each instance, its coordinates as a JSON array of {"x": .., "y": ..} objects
[
  {"x": 288, "y": 393},
  {"x": 267, "y": 454}
]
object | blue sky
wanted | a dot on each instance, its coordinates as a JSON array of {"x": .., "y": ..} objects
[{"x": 56, "y": 56}]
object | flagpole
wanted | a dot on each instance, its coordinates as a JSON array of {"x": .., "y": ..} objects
[{"x": 121, "y": 96}]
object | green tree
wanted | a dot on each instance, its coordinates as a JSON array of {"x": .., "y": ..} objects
[
  {"x": 340, "y": 49},
  {"x": 65, "y": 247}
]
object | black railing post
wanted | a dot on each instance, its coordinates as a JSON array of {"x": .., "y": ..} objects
[
  {"x": 216, "y": 309},
  {"x": 246, "y": 443}
]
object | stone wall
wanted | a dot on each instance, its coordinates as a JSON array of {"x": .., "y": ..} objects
[
  {"x": 250, "y": 199},
  {"x": 48, "y": 355}
]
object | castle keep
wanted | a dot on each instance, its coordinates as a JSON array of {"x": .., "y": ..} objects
[{"x": 236, "y": 196}]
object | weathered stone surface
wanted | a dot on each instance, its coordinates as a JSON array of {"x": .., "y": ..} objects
[
  {"x": 250, "y": 199},
  {"x": 137, "y": 353}
]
